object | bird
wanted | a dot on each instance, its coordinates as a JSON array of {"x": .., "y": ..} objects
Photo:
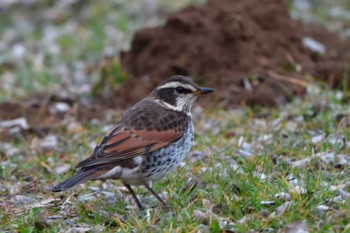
[{"x": 151, "y": 139}]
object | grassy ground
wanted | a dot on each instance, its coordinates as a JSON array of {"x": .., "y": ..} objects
[{"x": 250, "y": 170}]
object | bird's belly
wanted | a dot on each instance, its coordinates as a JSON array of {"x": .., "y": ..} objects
[{"x": 158, "y": 163}]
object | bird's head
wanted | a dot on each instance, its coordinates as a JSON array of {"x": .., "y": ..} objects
[{"x": 178, "y": 93}]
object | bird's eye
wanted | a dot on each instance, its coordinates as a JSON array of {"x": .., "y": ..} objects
[{"x": 180, "y": 90}]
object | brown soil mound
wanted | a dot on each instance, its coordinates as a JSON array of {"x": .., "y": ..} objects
[{"x": 251, "y": 51}]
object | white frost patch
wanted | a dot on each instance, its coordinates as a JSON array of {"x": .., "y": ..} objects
[
  {"x": 261, "y": 176},
  {"x": 18, "y": 122},
  {"x": 62, "y": 169},
  {"x": 60, "y": 107},
  {"x": 303, "y": 163},
  {"x": 322, "y": 208},
  {"x": 291, "y": 126},
  {"x": 50, "y": 142},
  {"x": 267, "y": 202},
  {"x": 313, "y": 45},
  {"x": 318, "y": 138},
  {"x": 9, "y": 149}
]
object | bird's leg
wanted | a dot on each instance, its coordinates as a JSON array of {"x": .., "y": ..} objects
[
  {"x": 137, "y": 200},
  {"x": 149, "y": 187}
]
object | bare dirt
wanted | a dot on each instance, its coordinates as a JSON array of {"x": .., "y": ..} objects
[
  {"x": 250, "y": 51},
  {"x": 42, "y": 115}
]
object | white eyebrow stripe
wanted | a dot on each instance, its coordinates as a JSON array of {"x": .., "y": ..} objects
[
  {"x": 169, "y": 106},
  {"x": 176, "y": 84}
]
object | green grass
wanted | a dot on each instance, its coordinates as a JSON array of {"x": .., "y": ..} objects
[{"x": 229, "y": 188}]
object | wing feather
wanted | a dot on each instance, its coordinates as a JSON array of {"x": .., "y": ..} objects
[{"x": 125, "y": 143}]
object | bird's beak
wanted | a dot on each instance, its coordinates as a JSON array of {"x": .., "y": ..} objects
[{"x": 203, "y": 90}]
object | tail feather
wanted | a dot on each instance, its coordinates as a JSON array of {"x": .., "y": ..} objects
[{"x": 80, "y": 177}]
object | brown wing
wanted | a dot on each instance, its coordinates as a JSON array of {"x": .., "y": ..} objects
[{"x": 125, "y": 143}]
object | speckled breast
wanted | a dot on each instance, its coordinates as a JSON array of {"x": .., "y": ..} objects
[{"x": 162, "y": 161}]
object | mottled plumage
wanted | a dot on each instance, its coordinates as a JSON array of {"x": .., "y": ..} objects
[{"x": 152, "y": 138}]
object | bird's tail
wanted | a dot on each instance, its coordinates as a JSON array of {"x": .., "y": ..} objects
[{"x": 82, "y": 176}]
